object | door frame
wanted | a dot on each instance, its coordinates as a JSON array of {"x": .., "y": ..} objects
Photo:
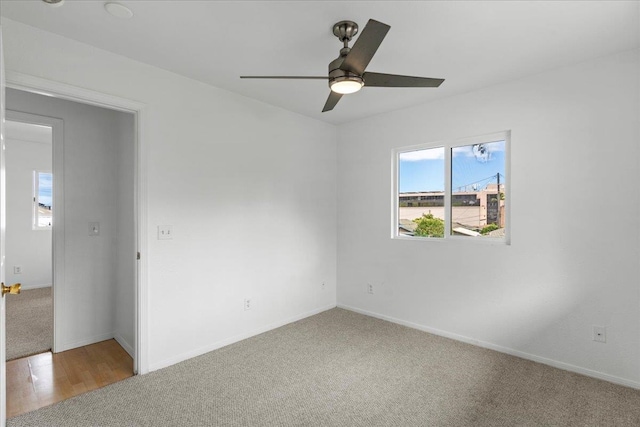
[
  {"x": 28, "y": 83},
  {"x": 57, "y": 167},
  {"x": 3, "y": 362}
]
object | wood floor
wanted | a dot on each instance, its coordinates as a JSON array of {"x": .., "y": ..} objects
[{"x": 44, "y": 379}]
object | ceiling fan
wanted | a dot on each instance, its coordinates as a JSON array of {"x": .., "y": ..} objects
[{"x": 347, "y": 72}]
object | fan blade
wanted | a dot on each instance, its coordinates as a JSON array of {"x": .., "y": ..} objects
[
  {"x": 365, "y": 47},
  {"x": 331, "y": 101},
  {"x": 394, "y": 80},
  {"x": 286, "y": 77}
]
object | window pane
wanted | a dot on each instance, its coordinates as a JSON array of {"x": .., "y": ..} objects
[
  {"x": 478, "y": 190},
  {"x": 421, "y": 193},
  {"x": 45, "y": 191}
]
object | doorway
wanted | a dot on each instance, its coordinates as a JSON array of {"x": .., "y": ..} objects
[
  {"x": 29, "y": 220},
  {"x": 94, "y": 238}
]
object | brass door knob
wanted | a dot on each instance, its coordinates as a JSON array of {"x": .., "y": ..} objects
[{"x": 13, "y": 289}]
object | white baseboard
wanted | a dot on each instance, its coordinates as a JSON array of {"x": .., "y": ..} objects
[
  {"x": 27, "y": 287},
  {"x": 90, "y": 340},
  {"x": 124, "y": 344},
  {"x": 554, "y": 363},
  {"x": 232, "y": 340}
]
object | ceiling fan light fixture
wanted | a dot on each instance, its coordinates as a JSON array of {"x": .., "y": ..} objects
[
  {"x": 348, "y": 71},
  {"x": 346, "y": 84}
]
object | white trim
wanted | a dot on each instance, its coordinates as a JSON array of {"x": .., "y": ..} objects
[
  {"x": 33, "y": 84},
  {"x": 30, "y": 83},
  {"x": 87, "y": 341},
  {"x": 507, "y": 188},
  {"x": 232, "y": 340},
  {"x": 58, "y": 257},
  {"x": 394, "y": 193},
  {"x": 506, "y": 350},
  {"x": 141, "y": 358},
  {"x": 457, "y": 239},
  {"x": 448, "y": 212},
  {"x": 124, "y": 344},
  {"x": 3, "y": 363}
]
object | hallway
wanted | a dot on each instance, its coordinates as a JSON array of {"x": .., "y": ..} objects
[{"x": 43, "y": 379}]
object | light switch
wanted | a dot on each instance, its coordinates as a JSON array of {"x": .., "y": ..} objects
[
  {"x": 94, "y": 229},
  {"x": 165, "y": 232}
]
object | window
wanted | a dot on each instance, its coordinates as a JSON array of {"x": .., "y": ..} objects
[
  {"x": 453, "y": 189},
  {"x": 42, "y": 200},
  {"x": 421, "y": 192}
]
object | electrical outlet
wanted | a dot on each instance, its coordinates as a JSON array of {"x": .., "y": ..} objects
[
  {"x": 17, "y": 269},
  {"x": 370, "y": 288},
  {"x": 165, "y": 232},
  {"x": 247, "y": 304},
  {"x": 600, "y": 334}
]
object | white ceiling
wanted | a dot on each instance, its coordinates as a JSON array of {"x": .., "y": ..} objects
[{"x": 472, "y": 44}]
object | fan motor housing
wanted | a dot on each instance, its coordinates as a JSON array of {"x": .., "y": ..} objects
[
  {"x": 343, "y": 75},
  {"x": 335, "y": 64}
]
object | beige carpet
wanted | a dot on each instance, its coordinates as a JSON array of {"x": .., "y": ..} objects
[
  {"x": 340, "y": 368},
  {"x": 29, "y": 323}
]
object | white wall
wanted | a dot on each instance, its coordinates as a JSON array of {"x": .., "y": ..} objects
[
  {"x": 573, "y": 261},
  {"x": 26, "y": 247},
  {"x": 91, "y": 183},
  {"x": 251, "y": 193},
  {"x": 249, "y": 189}
]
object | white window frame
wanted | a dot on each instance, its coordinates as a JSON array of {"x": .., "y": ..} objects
[
  {"x": 35, "y": 202},
  {"x": 448, "y": 146}
]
